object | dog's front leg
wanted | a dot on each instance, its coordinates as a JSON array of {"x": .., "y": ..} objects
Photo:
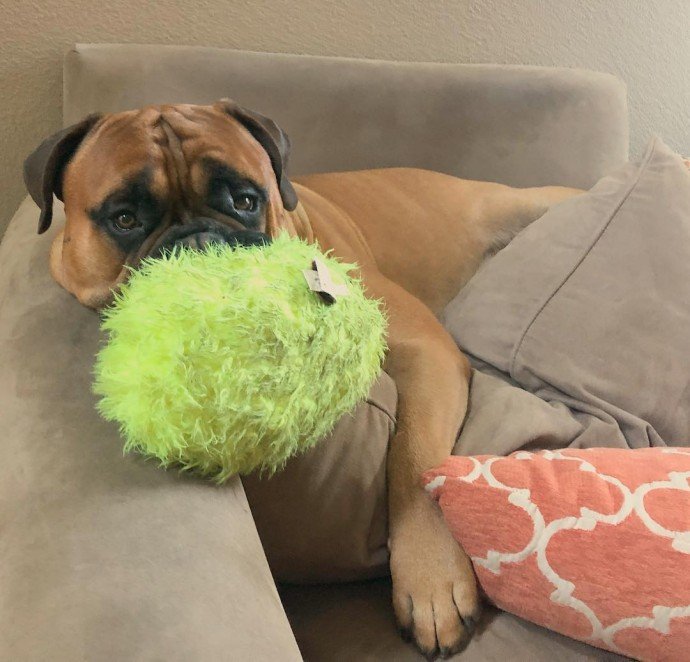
[{"x": 434, "y": 589}]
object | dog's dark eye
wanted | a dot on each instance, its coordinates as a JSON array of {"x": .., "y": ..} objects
[
  {"x": 125, "y": 221},
  {"x": 231, "y": 194},
  {"x": 244, "y": 202}
]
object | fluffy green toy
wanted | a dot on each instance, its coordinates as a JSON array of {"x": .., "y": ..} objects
[{"x": 226, "y": 361}]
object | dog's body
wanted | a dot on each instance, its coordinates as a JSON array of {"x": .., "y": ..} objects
[{"x": 195, "y": 174}]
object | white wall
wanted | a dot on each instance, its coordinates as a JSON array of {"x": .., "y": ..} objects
[{"x": 644, "y": 42}]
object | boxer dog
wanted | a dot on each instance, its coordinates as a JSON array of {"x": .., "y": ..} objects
[{"x": 139, "y": 182}]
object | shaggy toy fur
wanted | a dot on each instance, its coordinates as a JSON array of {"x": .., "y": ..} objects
[{"x": 225, "y": 361}]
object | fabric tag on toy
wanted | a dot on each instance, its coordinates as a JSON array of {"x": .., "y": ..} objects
[{"x": 319, "y": 280}]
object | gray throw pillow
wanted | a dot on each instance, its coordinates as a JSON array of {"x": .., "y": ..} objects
[{"x": 589, "y": 307}]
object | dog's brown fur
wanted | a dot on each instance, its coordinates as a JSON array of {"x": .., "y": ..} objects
[{"x": 418, "y": 236}]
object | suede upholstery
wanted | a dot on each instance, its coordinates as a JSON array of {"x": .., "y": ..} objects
[
  {"x": 108, "y": 557},
  {"x": 95, "y": 554},
  {"x": 523, "y": 126},
  {"x": 324, "y": 517}
]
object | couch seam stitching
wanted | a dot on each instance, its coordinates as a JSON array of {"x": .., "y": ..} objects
[{"x": 383, "y": 411}]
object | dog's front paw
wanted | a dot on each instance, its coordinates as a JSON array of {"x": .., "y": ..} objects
[{"x": 435, "y": 595}]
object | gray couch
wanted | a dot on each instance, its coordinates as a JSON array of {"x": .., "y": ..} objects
[{"x": 106, "y": 557}]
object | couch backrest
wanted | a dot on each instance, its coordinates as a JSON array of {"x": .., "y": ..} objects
[{"x": 523, "y": 126}]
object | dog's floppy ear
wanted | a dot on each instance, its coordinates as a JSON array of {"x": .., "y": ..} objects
[
  {"x": 44, "y": 167},
  {"x": 273, "y": 139}
]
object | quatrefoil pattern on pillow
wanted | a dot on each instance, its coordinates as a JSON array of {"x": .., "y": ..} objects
[{"x": 594, "y": 544}]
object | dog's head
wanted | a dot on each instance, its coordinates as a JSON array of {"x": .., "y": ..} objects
[{"x": 140, "y": 182}]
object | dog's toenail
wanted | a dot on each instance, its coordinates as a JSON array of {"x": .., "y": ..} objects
[{"x": 470, "y": 623}]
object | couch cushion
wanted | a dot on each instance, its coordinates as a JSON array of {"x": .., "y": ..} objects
[
  {"x": 102, "y": 556},
  {"x": 589, "y": 307},
  {"x": 324, "y": 516},
  {"x": 355, "y": 622},
  {"x": 524, "y": 126}
]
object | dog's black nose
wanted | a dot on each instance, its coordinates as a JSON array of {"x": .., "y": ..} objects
[
  {"x": 248, "y": 238},
  {"x": 200, "y": 240},
  {"x": 201, "y": 232}
]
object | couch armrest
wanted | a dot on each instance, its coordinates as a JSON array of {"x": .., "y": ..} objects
[{"x": 105, "y": 557}]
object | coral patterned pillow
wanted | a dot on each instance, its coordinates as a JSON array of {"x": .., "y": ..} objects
[{"x": 594, "y": 544}]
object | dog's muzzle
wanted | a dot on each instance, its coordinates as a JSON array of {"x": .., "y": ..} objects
[{"x": 199, "y": 233}]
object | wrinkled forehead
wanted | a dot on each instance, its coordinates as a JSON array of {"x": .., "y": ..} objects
[{"x": 161, "y": 141}]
